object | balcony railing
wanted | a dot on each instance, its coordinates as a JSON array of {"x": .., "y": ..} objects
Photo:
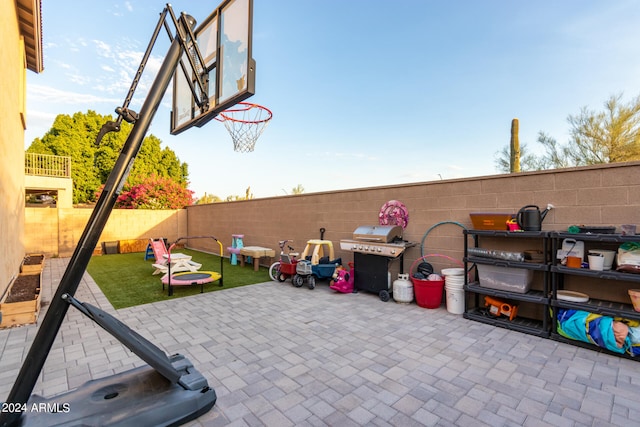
[{"x": 47, "y": 165}]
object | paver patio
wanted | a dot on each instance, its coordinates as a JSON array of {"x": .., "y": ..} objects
[{"x": 283, "y": 356}]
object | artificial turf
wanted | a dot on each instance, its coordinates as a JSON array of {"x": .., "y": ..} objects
[{"x": 127, "y": 280}]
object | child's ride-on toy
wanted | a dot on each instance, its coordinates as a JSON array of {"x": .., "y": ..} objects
[
  {"x": 286, "y": 267},
  {"x": 304, "y": 272},
  {"x": 313, "y": 264},
  {"x": 343, "y": 282}
]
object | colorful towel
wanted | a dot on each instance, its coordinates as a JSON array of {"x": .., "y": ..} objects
[{"x": 596, "y": 329}]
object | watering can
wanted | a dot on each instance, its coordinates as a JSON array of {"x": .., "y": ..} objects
[{"x": 529, "y": 218}]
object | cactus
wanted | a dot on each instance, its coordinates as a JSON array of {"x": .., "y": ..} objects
[{"x": 515, "y": 147}]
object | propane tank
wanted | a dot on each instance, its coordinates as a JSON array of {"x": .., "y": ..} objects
[{"x": 403, "y": 289}]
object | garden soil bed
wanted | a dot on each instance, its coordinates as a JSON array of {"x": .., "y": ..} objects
[
  {"x": 21, "y": 303},
  {"x": 25, "y": 288},
  {"x": 32, "y": 264}
]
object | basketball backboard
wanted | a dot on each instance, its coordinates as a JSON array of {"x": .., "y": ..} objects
[{"x": 224, "y": 40}]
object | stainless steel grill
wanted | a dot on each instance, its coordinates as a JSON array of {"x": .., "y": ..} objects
[
  {"x": 382, "y": 240},
  {"x": 374, "y": 248}
]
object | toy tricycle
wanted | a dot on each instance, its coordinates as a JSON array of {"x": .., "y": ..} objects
[{"x": 286, "y": 267}]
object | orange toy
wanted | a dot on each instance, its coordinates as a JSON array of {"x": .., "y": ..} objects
[{"x": 497, "y": 308}]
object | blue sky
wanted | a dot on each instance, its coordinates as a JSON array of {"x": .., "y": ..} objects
[{"x": 363, "y": 93}]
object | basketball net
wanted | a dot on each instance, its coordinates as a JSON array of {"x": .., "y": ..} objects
[{"x": 245, "y": 123}]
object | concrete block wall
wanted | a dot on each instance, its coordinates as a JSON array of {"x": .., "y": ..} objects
[
  {"x": 56, "y": 231},
  {"x": 595, "y": 195}
]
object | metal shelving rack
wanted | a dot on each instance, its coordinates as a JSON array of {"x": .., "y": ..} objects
[
  {"x": 476, "y": 311},
  {"x": 600, "y": 305}
]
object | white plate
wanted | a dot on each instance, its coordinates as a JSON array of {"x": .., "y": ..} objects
[{"x": 572, "y": 296}]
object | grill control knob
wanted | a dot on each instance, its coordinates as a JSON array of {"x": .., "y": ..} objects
[
  {"x": 379, "y": 249},
  {"x": 393, "y": 251}
]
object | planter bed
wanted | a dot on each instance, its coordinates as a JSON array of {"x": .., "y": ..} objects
[
  {"x": 21, "y": 303},
  {"x": 33, "y": 263},
  {"x": 132, "y": 245}
]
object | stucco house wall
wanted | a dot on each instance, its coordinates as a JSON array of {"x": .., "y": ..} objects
[{"x": 21, "y": 50}]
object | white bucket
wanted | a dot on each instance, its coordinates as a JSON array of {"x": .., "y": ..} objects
[
  {"x": 453, "y": 272},
  {"x": 455, "y": 299},
  {"x": 454, "y": 289},
  {"x": 454, "y": 281}
]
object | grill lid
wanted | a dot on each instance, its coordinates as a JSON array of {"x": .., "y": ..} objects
[{"x": 378, "y": 233}]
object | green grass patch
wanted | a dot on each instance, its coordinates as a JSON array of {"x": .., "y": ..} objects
[{"x": 127, "y": 280}]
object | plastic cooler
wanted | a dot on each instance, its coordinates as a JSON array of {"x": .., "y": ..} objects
[{"x": 508, "y": 279}]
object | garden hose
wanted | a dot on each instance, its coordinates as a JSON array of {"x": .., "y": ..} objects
[{"x": 434, "y": 226}]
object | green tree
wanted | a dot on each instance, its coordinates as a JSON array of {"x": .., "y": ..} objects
[
  {"x": 528, "y": 161},
  {"x": 75, "y": 136},
  {"x": 72, "y": 136},
  {"x": 608, "y": 136}
]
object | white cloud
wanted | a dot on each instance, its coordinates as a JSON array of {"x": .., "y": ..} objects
[
  {"x": 79, "y": 79},
  {"x": 103, "y": 49},
  {"x": 41, "y": 93},
  {"x": 41, "y": 116}
]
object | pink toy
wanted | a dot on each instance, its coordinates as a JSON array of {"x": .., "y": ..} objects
[{"x": 344, "y": 280}]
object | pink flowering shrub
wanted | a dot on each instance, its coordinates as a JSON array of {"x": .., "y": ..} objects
[{"x": 154, "y": 192}]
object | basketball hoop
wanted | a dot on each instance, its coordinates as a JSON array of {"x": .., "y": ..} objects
[{"x": 245, "y": 123}]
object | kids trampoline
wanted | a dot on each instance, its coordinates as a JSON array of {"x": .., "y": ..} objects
[{"x": 188, "y": 278}]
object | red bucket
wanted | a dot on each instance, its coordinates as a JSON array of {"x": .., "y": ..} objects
[{"x": 429, "y": 293}]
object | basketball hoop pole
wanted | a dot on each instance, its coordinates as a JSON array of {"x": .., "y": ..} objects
[{"x": 43, "y": 341}]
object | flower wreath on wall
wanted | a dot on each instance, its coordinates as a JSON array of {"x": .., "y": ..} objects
[{"x": 394, "y": 212}]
